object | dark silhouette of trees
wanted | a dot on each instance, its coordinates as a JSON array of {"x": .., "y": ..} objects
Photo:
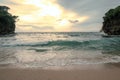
[
  {"x": 7, "y": 21},
  {"x": 111, "y": 24}
]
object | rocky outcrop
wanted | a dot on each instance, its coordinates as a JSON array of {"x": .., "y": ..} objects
[
  {"x": 111, "y": 24},
  {"x": 7, "y": 21}
]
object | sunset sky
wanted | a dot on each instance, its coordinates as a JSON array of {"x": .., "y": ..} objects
[{"x": 59, "y": 15}]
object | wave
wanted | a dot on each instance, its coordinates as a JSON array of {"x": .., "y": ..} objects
[
  {"x": 51, "y": 43},
  {"x": 100, "y": 44}
]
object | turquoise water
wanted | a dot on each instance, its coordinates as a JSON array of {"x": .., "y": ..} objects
[{"x": 58, "y": 49}]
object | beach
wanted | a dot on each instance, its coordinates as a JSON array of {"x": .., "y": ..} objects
[
  {"x": 59, "y": 56},
  {"x": 94, "y": 72},
  {"x": 60, "y": 40}
]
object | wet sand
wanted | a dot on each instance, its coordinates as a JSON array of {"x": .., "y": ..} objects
[{"x": 108, "y": 72}]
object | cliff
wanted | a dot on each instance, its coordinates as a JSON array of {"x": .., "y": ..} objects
[
  {"x": 7, "y": 21},
  {"x": 111, "y": 24}
]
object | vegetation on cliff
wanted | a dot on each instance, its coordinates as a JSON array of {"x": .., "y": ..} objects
[
  {"x": 111, "y": 24},
  {"x": 7, "y": 21}
]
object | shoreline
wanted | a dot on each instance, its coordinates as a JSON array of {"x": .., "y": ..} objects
[{"x": 82, "y": 72}]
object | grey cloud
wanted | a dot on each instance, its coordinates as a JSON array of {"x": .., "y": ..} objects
[
  {"x": 84, "y": 6},
  {"x": 73, "y": 21},
  {"x": 59, "y": 20},
  {"x": 95, "y": 9},
  {"x": 24, "y": 25},
  {"x": 7, "y": 2},
  {"x": 86, "y": 27},
  {"x": 89, "y": 7}
]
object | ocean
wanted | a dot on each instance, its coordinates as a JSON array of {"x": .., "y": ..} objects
[{"x": 58, "y": 49}]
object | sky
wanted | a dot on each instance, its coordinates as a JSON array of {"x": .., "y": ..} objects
[{"x": 59, "y": 15}]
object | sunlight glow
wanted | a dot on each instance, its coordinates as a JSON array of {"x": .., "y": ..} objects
[
  {"x": 27, "y": 18},
  {"x": 63, "y": 22},
  {"x": 47, "y": 8},
  {"x": 45, "y": 13}
]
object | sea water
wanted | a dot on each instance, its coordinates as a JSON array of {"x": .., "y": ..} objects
[{"x": 50, "y": 49}]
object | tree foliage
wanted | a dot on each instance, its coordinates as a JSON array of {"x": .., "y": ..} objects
[
  {"x": 112, "y": 14},
  {"x": 111, "y": 24},
  {"x": 7, "y": 21}
]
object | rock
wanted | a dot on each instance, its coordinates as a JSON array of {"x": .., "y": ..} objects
[
  {"x": 111, "y": 24},
  {"x": 7, "y": 21}
]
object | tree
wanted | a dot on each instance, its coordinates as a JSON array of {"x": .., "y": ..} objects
[
  {"x": 111, "y": 24},
  {"x": 7, "y": 21}
]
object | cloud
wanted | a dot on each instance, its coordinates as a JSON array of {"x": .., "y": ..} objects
[
  {"x": 45, "y": 13},
  {"x": 33, "y": 28},
  {"x": 59, "y": 15},
  {"x": 7, "y": 2},
  {"x": 86, "y": 27},
  {"x": 94, "y": 9},
  {"x": 73, "y": 21},
  {"x": 70, "y": 21}
]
